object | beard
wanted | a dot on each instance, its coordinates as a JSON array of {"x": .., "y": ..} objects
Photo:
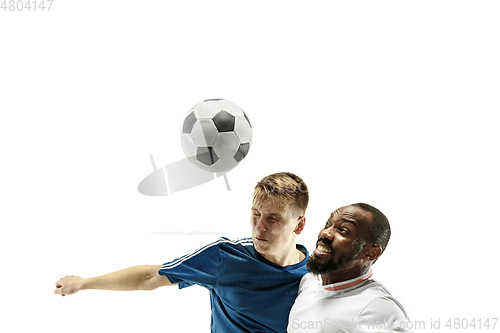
[{"x": 316, "y": 267}]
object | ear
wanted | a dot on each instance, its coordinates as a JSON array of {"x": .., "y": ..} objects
[
  {"x": 374, "y": 252},
  {"x": 300, "y": 226}
]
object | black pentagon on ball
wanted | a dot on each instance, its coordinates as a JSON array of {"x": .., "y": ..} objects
[
  {"x": 206, "y": 155},
  {"x": 249, "y": 123},
  {"x": 224, "y": 121},
  {"x": 189, "y": 122},
  {"x": 242, "y": 152}
]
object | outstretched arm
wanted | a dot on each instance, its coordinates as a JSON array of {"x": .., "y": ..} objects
[{"x": 144, "y": 277}]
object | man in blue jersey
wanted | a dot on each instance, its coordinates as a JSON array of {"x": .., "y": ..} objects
[{"x": 253, "y": 282}]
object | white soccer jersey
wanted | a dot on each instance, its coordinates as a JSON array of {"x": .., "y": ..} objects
[{"x": 357, "y": 305}]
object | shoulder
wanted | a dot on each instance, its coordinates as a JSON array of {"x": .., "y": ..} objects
[
  {"x": 236, "y": 242},
  {"x": 386, "y": 306},
  {"x": 308, "y": 278},
  {"x": 209, "y": 250},
  {"x": 307, "y": 281},
  {"x": 226, "y": 242},
  {"x": 383, "y": 309},
  {"x": 240, "y": 247}
]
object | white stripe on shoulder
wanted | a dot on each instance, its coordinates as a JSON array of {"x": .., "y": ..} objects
[{"x": 177, "y": 262}]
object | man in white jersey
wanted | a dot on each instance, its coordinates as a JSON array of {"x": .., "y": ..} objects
[{"x": 338, "y": 294}]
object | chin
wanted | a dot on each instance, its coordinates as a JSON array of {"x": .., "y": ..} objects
[
  {"x": 260, "y": 247},
  {"x": 318, "y": 266}
]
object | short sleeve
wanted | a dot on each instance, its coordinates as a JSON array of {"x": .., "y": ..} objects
[
  {"x": 384, "y": 314},
  {"x": 200, "y": 267}
]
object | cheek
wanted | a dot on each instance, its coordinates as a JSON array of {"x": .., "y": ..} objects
[
  {"x": 253, "y": 221},
  {"x": 320, "y": 235},
  {"x": 345, "y": 247},
  {"x": 282, "y": 232}
]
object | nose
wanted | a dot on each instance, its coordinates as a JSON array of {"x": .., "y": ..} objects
[
  {"x": 326, "y": 233},
  {"x": 260, "y": 224}
]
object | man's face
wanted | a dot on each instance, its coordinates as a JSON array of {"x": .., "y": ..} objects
[
  {"x": 274, "y": 229},
  {"x": 341, "y": 242}
]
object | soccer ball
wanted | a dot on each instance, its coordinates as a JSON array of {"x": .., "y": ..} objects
[{"x": 216, "y": 135}]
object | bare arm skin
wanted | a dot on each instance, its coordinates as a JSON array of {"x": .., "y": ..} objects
[{"x": 144, "y": 277}]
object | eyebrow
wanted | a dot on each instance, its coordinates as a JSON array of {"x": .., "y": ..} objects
[{"x": 349, "y": 221}]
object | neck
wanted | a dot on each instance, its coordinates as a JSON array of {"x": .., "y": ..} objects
[
  {"x": 340, "y": 276},
  {"x": 286, "y": 259}
]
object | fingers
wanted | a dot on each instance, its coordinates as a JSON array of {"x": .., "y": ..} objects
[
  {"x": 59, "y": 286},
  {"x": 58, "y": 291}
]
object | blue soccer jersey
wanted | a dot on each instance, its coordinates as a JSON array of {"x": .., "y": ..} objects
[{"x": 248, "y": 293}]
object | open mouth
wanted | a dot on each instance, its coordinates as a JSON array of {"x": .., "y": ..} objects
[{"x": 322, "y": 249}]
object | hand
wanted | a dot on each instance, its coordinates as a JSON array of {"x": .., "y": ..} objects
[{"x": 68, "y": 285}]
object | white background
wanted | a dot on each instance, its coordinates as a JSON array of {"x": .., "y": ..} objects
[{"x": 390, "y": 103}]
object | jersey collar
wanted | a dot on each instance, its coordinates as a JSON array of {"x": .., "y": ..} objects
[{"x": 341, "y": 286}]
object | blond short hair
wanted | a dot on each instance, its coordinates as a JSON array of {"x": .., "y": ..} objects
[{"x": 282, "y": 189}]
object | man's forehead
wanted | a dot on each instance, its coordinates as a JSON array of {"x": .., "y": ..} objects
[
  {"x": 271, "y": 208},
  {"x": 349, "y": 213}
]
